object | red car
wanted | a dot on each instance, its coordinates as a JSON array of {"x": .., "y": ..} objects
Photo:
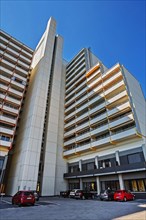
[
  {"x": 23, "y": 198},
  {"x": 123, "y": 195}
]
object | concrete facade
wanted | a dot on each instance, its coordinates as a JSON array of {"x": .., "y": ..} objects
[{"x": 82, "y": 125}]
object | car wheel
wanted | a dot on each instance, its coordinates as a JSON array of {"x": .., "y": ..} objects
[
  {"x": 32, "y": 204},
  {"x": 19, "y": 204},
  {"x": 101, "y": 199},
  {"x": 125, "y": 199}
]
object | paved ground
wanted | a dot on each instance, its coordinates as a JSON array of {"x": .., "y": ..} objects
[{"x": 55, "y": 208}]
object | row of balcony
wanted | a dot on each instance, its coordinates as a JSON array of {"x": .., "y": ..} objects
[
  {"x": 5, "y": 143},
  {"x": 6, "y": 131},
  {"x": 13, "y": 82},
  {"x": 10, "y": 99},
  {"x": 123, "y": 135},
  {"x": 111, "y": 125},
  {"x": 16, "y": 54},
  {"x": 17, "y": 48},
  {"x": 9, "y": 109},
  {"x": 12, "y": 91},
  {"x": 8, "y": 120},
  {"x": 117, "y": 110}
]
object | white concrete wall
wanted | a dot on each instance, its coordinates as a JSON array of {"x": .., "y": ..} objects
[
  {"x": 138, "y": 101},
  {"x": 49, "y": 173},
  {"x": 61, "y": 165},
  {"x": 25, "y": 163}
]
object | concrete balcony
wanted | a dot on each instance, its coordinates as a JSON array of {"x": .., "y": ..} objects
[
  {"x": 83, "y": 136},
  {"x": 97, "y": 108},
  {"x": 114, "y": 77},
  {"x": 18, "y": 84},
  {"x": 94, "y": 82},
  {"x": 12, "y": 100},
  {"x": 94, "y": 74},
  {"x": 66, "y": 134},
  {"x": 81, "y": 100},
  {"x": 83, "y": 116},
  {"x": 98, "y": 119},
  {"x": 112, "y": 70},
  {"x": 97, "y": 98},
  {"x": 125, "y": 134},
  {"x": 15, "y": 46},
  {"x": 9, "y": 109},
  {"x": 22, "y": 70},
  {"x": 71, "y": 141},
  {"x": 69, "y": 108},
  {"x": 7, "y": 120},
  {"x": 81, "y": 92},
  {"x": 69, "y": 152},
  {"x": 82, "y": 126},
  {"x": 15, "y": 92},
  {"x": 70, "y": 94},
  {"x": 5, "y": 143},
  {"x": 70, "y": 115},
  {"x": 119, "y": 108},
  {"x": 99, "y": 130},
  {"x": 11, "y": 57},
  {"x": 8, "y": 64},
  {"x": 6, "y": 131},
  {"x": 69, "y": 101},
  {"x": 70, "y": 123},
  {"x": 75, "y": 63},
  {"x": 80, "y": 86},
  {"x": 82, "y": 108},
  {"x": 5, "y": 70},
  {"x": 23, "y": 64},
  {"x": 4, "y": 39},
  {"x": 100, "y": 142},
  {"x": 113, "y": 88},
  {"x": 25, "y": 58},
  {"x": 117, "y": 97},
  {"x": 13, "y": 51},
  {"x": 20, "y": 77},
  {"x": 123, "y": 120},
  {"x": 5, "y": 79},
  {"x": 80, "y": 77}
]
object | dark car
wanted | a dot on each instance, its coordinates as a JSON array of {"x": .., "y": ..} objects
[
  {"x": 65, "y": 194},
  {"x": 107, "y": 195},
  {"x": 123, "y": 195},
  {"x": 23, "y": 198},
  {"x": 83, "y": 194}
]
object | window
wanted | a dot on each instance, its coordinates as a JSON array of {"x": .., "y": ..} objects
[{"x": 134, "y": 158}]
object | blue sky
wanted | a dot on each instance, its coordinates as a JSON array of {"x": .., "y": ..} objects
[{"x": 114, "y": 30}]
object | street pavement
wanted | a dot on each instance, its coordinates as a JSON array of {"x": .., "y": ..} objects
[{"x": 56, "y": 208}]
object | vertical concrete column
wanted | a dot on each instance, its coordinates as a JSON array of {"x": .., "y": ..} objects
[
  {"x": 98, "y": 185},
  {"x": 81, "y": 183},
  {"x": 144, "y": 151},
  {"x": 80, "y": 165},
  {"x": 117, "y": 157},
  {"x": 121, "y": 182},
  {"x": 96, "y": 162}
]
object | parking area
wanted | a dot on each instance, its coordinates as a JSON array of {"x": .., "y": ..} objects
[{"x": 58, "y": 208}]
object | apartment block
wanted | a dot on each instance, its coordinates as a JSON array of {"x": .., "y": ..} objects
[
  {"x": 104, "y": 131},
  {"x": 67, "y": 125},
  {"x": 14, "y": 76}
]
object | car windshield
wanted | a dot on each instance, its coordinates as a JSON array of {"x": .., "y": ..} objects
[{"x": 28, "y": 193}]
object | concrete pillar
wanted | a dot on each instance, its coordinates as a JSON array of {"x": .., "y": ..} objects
[
  {"x": 144, "y": 151},
  {"x": 81, "y": 183},
  {"x": 98, "y": 185},
  {"x": 117, "y": 157},
  {"x": 80, "y": 165},
  {"x": 96, "y": 162},
  {"x": 121, "y": 182}
]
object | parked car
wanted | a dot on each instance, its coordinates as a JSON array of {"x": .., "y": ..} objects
[
  {"x": 107, "y": 194},
  {"x": 123, "y": 195},
  {"x": 23, "y": 198},
  {"x": 65, "y": 194},
  {"x": 83, "y": 194},
  {"x": 72, "y": 193}
]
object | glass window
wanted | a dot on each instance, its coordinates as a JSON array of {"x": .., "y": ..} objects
[
  {"x": 134, "y": 186},
  {"x": 141, "y": 186},
  {"x": 134, "y": 158}
]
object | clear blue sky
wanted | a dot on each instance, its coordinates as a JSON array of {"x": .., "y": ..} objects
[{"x": 114, "y": 30}]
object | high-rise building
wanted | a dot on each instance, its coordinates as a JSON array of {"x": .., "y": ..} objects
[
  {"x": 81, "y": 125},
  {"x": 14, "y": 76}
]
